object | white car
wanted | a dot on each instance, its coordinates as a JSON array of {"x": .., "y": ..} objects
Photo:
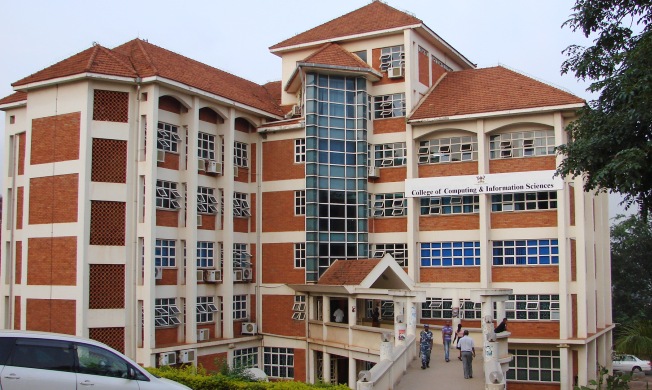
[
  {"x": 39, "y": 360},
  {"x": 630, "y": 363}
]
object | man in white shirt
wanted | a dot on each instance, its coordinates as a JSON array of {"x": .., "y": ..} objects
[
  {"x": 338, "y": 315},
  {"x": 466, "y": 345}
]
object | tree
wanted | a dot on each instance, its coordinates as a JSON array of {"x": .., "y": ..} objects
[
  {"x": 635, "y": 338},
  {"x": 611, "y": 141}
]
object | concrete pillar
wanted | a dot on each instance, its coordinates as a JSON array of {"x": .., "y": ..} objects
[
  {"x": 353, "y": 372},
  {"x": 326, "y": 367}
]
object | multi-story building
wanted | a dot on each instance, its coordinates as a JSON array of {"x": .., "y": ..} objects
[{"x": 182, "y": 214}]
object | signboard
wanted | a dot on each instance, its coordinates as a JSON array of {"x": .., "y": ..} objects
[{"x": 496, "y": 183}]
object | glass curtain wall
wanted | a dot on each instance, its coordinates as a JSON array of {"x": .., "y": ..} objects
[{"x": 336, "y": 171}]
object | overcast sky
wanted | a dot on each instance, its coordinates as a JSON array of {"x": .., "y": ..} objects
[{"x": 525, "y": 35}]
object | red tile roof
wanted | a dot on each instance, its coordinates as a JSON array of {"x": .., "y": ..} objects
[
  {"x": 138, "y": 58},
  {"x": 348, "y": 272},
  {"x": 13, "y": 98},
  {"x": 274, "y": 88},
  {"x": 334, "y": 54},
  {"x": 375, "y": 16},
  {"x": 488, "y": 90}
]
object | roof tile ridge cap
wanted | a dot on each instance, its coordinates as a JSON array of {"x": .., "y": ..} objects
[
  {"x": 113, "y": 55},
  {"x": 91, "y": 58},
  {"x": 425, "y": 97},
  {"x": 139, "y": 42}
]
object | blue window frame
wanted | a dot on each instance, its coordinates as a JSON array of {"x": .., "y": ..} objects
[
  {"x": 450, "y": 254},
  {"x": 526, "y": 252}
]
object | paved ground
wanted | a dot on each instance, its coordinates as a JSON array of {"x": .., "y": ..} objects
[{"x": 442, "y": 375}]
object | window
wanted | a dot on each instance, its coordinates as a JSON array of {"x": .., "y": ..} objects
[
  {"x": 441, "y": 63},
  {"x": 525, "y": 252},
  {"x": 241, "y": 205},
  {"x": 206, "y": 146},
  {"x": 447, "y": 254},
  {"x": 362, "y": 54},
  {"x": 299, "y": 308},
  {"x": 389, "y": 155},
  {"x": 245, "y": 358},
  {"x": 398, "y": 251},
  {"x": 240, "y": 157},
  {"x": 205, "y": 309},
  {"x": 522, "y": 144},
  {"x": 166, "y": 312},
  {"x": 168, "y": 137},
  {"x": 167, "y": 195},
  {"x": 466, "y": 204},
  {"x": 241, "y": 256},
  {"x": 524, "y": 201},
  {"x": 470, "y": 310},
  {"x": 96, "y": 361},
  {"x": 43, "y": 354},
  {"x": 534, "y": 365},
  {"x": 205, "y": 254},
  {"x": 389, "y": 205},
  {"x": 206, "y": 201},
  {"x": 300, "y": 202},
  {"x": 445, "y": 150},
  {"x": 278, "y": 362},
  {"x": 392, "y": 57},
  {"x": 300, "y": 150},
  {"x": 300, "y": 255},
  {"x": 532, "y": 307},
  {"x": 437, "y": 308},
  {"x": 389, "y": 106},
  {"x": 240, "y": 307},
  {"x": 165, "y": 253}
]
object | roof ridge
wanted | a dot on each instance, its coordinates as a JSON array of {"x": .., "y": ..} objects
[
  {"x": 139, "y": 43},
  {"x": 114, "y": 55},
  {"x": 91, "y": 58},
  {"x": 428, "y": 93}
]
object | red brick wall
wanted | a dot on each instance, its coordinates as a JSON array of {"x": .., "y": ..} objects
[
  {"x": 424, "y": 62},
  {"x": 55, "y": 138},
  {"x": 252, "y": 163},
  {"x": 391, "y": 175},
  {"x": 207, "y": 222},
  {"x": 108, "y": 222},
  {"x": 53, "y": 199},
  {"x": 169, "y": 277},
  {"x": 573, "y": 259},
  {"x": 113, "y": 337},
  {"x": 300, "y": 372},
  {"x": 449, "y": 222},
  {"x": 277, "y": 316},
  {"x": 20, "y": 196},
  {"x": 390, "y": 125},
  {"x": 571, "y": 203},
  {"x": 386, "y": 225},
  {"x": 535, "y": 273},
  {"x": 51, "y": 315},
  {"x": 375, "y": 63},
  {"x": 170, "y": 104},
  {"x": 524, "y": 164},
  {"x": 243, "y": 125},
  {"x": 19, "y": 262},
  {"x": 524, "y": 219},
  {"x": 511, "y": 385},
  {"x": 21, "y": 153},
  {"x": 110, "y": 106},
  {"x": 278, "y": 161},
  {"x": 241, "y": 225},
  {"x": 278, "y": 212},
  {"x": 243, "y": 175},
  {"x": 109, "y": 162},
  {"x": 252, "y": 225},
  {"x": 168, "y": 218},
  {"x": 279, "y": 264},
  {"x": 165, "y": 337},
  {"x": 449, "y": 274},
  {"x": 213, "y": 362},
  {"x": 449, "y": 169},
  {"x": 437, "y": 71},
  {"x": 171, "y": 161},
  {"x": 574, "y": 315},
  {"x": 52, "y": 261},
  {"x": 17, "y": 312},
  {"x": 531, "y": 329},
  {"x": 208, "y": 115}
]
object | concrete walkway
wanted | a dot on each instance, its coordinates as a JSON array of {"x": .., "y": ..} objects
[{"x": 442, "y": 375}]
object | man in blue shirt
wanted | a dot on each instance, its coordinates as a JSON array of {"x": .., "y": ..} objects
[
  {"x": 425, "y": 343},
  {"x": 468, "y": 353},
  {"x": 446, "y": 336}
]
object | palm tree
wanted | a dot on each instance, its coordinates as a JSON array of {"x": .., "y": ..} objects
[{"x": 635, "y": 338}]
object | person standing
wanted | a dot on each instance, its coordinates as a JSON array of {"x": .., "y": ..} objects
[
  {"x": 425, "y": 346},
  {"x": 446, "y": 336},
  {"x": 467, "y": 348},
  {"x": 375, "y": 318},
  {"x": 459, "y": 333},
  {"x": 338, "y": 315}
]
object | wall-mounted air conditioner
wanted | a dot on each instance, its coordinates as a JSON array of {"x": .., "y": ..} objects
[
  {"x": 296, "y": 109},
  {"x": 374, "y": 172},
  {"x": 237, "y": 275},
  {"x": 167, "y": 358},
  {"x": 213, "y": 167},
  {"x": 201, "y": 165},
  {"x": 158, "y": 273},
  {"x": 200, "y": 275},
  {"x": 203, "y": 334},
  {"x": 247, "y": 274},
  {"x": 395, "y": 72},
  {"x": 213, "y": 276},
  {"x": 187, "y": 355},
  {"x": 249, "y": 328},
  {"x": 160, "y": 155}
]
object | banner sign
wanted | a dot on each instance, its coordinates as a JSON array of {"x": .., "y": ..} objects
[{"x": 496, "y": 183}]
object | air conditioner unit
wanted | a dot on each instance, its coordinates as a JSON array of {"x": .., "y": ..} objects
[
  {"x": 200, "y": 275},
  {"x": 213, "y": 166},
  {"x": 213, "y": 276},
  {"x": 235, "y": 172},
  {"x": 158, "y": 273},
  {"x": 296, "y": 109},
  {"x": 167, "y": 358},
  {"x": 160, "y": 155},
  {"x": 249, "y": 328},
  {"x": 187, "y": 355},
  {"x": 203, "y": 334},
  {"x": 201, "y": 165},
  {"x": 247, "y": 274},
  {"x": 374, "y": 172},
  {"x": 199, "y": 220},
  {"x": 395, "y": 72},
  {"x": 237, "y": 275}
]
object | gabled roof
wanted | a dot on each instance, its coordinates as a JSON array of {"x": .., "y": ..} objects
[
  {"x": 13, "y": 98},
  {"x": 359, "y": 275},
  {"x": 333, "y": 54},
  {"x": 375, "y": 16},
  {"x": 138, "y": 58},
  {"x": 487, "y": 90},
  {"x": 348, "y": 272}
]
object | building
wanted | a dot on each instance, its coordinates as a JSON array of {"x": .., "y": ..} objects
[{"x": 217, "y": 236}]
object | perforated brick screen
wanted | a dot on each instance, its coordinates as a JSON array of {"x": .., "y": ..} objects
[
  {"x": 113, "y": 337},
  {"x": 110, "y": 106},
  {"x": 109, "y": 163},
  {"x": 107, "y": 223},
  {"x": 106, "y": 286}
]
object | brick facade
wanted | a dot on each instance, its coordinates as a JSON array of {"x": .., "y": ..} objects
[
  {"x": 389, "y": 125},
  {"x": 449, "y": 222},
  {"x": 453, "y": 169},
  {"x": 51, "y": 315},
  {"x": 52, "y": 261},
  {"x": 277, "y": 316},
  {"x": 278, "y": 212},
  {"x": 55, "y": 138},
  {"x": 53, "y": 199},
  {"x": 388, "y": 175},
  {"x": 534, "y": 329},
  {"x": 524, "y": 219},
  {"x": 524, "y": 273},
  {"x": 279, "y": 264},
  {"x": 109, "y": 163},
  {"x": 106, "y": 286},
  {"x": 525, "y": 164},
  {"x": 20, "y": 197},
  {"x": 108, "y": 223},
  {"x": 278, "y": 161},
  {"x": 449, "y": 274},
  {"x": 168, "y": 218},
  {"x": 386, "y": 225}
]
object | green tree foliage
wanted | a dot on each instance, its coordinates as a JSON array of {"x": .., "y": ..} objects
[
  {"x": 611, "y": 141},
  {"x": 631, "y": 269},
  {"x": 607, "y": 382},
  {"x": 635, "y": 338}
]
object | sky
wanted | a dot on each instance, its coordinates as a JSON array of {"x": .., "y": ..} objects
[{"x": 235, "y": 36}]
